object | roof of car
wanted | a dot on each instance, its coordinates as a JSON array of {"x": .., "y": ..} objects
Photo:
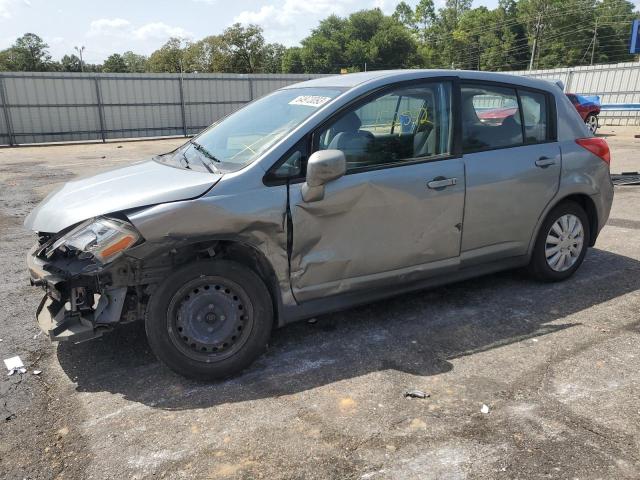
[{"x": 352, "y": 80}]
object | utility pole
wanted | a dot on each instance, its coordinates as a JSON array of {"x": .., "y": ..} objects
[
  {"x": 535, "y": 40},
  {"x": 594, "y": 40},
  {"x": 80, "y": 50}
]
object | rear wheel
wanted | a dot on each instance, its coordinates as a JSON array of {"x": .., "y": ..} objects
[
  {"x": 210, "y": 319},
  {"x": 561, "y": 243},
  {"x": 592, "y": 122}
]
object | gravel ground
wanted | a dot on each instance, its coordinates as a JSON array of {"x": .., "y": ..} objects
[{"x": 557, "y": 366}]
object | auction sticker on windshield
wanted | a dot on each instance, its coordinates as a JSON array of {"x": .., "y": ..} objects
[{"x": 310, "y": 100}]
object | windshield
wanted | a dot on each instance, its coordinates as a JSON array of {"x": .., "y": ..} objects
[{"x": 243, "y": 136}]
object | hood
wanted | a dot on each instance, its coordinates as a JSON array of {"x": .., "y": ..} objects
[{"x": 137, "y": 185}]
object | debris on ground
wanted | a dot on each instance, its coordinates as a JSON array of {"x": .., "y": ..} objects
[
  {"x": 416, "y": 394},
  {"x": 37, "y": 372},
  {"x": 14, "y": 364},
  {"x": 312, "y": 320},
  {"x": 484, "y": 408}
]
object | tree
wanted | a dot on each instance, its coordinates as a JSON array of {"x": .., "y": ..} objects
[
  {"x": 207, "y": 55},
  {"x": 245, "y": 46},
  {"x": 114, "y": 64},
  {"x": 167, "y": 58},
  {"x": 134, "y": 63},
  {"x": 425, "y": 15},
  {"x": 405, "y": 15},
  {"x": 70, "y": 63},
  {"x": 292, "y": 61},
  {"x": 7, "y": 60},
  {"x": 272, "y": 56},
  {"x": 365, "y": 37},
  {"x": 30, "y": 53}
]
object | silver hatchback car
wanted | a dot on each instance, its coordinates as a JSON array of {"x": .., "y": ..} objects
[{"x": 317, "y": 197}]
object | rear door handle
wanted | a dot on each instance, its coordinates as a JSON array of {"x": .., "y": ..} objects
[
  {"x": 544, "y": 162},
  {"x": 440, "y": 182}
]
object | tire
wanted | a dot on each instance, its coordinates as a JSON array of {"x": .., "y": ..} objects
[
  {"x": 545, "y": 265},
  {"x": 210, "y": 319},
  {"x": 592, "y": 123}
]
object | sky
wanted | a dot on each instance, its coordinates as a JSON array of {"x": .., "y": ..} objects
[{"x": 115, "y": 26}]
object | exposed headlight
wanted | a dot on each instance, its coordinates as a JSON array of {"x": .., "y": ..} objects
[{"x": 104, "y": 239}]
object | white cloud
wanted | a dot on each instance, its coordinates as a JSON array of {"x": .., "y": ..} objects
[
  {"x": 260, "y": 16},
  {"x": 121, "y": 28},
  {"x": 109, "y": 27},
  {"x": 160, "y": 31},
  {"x": 387, "y": 6},
  {"x": 8, "y": 6},
  {"x": 284, "y": 22}
]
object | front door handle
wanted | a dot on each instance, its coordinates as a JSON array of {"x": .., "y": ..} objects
[
  {"x": 441, "y": 182},
  {"x": 544, "y": 162}
]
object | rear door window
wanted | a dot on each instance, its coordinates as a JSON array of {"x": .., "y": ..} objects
[
  {"x": 535, "y": 115},
  {"x": 490, "y": 118}
]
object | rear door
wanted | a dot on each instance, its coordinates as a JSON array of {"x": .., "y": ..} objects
[
  {"x": 513, "y": 164},
  {"x": 397, "y": 213}
]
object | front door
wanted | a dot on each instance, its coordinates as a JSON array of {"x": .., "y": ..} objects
[
  {"x": 513, "y": 168},
  {"x": 397, "y": 213}
]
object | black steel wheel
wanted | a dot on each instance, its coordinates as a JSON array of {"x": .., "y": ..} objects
[{"x": 209, "y": 319}]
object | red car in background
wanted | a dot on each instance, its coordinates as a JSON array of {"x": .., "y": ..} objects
[{"x": 588, "y": 110}]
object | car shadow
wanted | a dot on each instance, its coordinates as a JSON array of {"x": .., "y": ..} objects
[{"x": 418, "y": 333}]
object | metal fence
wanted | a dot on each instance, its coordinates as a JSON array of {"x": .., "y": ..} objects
[
  {"x": 64, "y": 107},
  {"x": 618, "y": 86}
]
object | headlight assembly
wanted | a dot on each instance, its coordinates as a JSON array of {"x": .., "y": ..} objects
[{"x": 103, "y": 239}]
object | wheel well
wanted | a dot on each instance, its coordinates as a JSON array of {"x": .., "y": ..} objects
[
  {"x": 156, "y": 269},
  {"x": 255, "y": 260},
  {"x": 589, "y": 207}
]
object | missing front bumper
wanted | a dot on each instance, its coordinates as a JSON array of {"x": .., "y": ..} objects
[
  {"x": 62, "y": 316},
  {"x": 61, "y": 325}
]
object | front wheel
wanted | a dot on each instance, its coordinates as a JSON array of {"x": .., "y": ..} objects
[
  {"x": 592, "y": 122},
  {"x": 209, "y": 319},
  {"x": 561, "y": 243}
]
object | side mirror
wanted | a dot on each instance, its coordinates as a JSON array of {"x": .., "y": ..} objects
[{"x": 322, "y": 167}]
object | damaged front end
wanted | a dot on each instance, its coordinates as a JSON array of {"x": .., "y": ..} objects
[{"x": 86, "y": 279}]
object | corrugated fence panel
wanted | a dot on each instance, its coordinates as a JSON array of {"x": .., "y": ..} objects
[
  {"x": 141, "y": 105},
  {"x": 210, "y": 97},
  {"x": 618, "y": 86},
  {"x": 44, "y": 108},
  {"x": 62, "y": 107},
  {"x": 263, "y": 84}
]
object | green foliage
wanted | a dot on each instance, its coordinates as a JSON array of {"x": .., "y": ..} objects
[
  {"x": 115, "y": 64},
  {"x": 292, "y": 60},
  {"x": 167, "y": 58},
  {"x": 29, "y": 53},
  {"x": 367, "y": 37},
  {"x": 70, "y": 63},
  {"x": 134, "y": 63}
]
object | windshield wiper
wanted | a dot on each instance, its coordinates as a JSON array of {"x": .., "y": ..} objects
[
  {"x": 186, "y": 161},
  {"x": 208, "y": 155},
  {"x": 204, "y": 151}
]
